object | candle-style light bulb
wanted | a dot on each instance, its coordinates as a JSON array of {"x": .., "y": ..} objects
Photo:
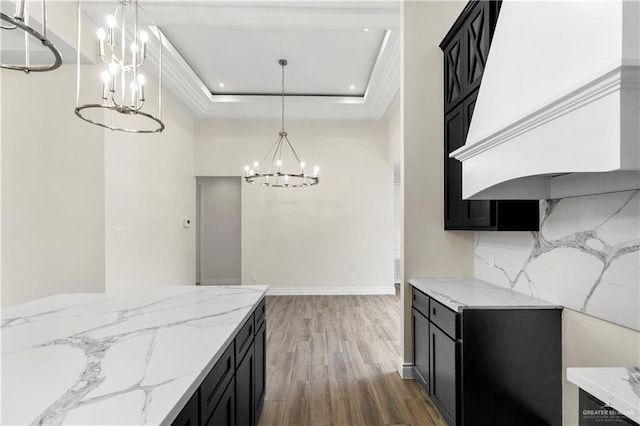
[
  {"x": 279, "y": 164},
  {"x": 111, "y": 24},
  {"x": 302, "y": 166},
  {"x": 316, "y": 169},
  {"x": 286, "y": 179},
  {"x": 113, "y": 70},
  {"x": 144, "y": 38},
  {"x": 246, "y": 170},
  {"x": 141, "y": 83},
  {"x": 256, "y": 164},
  {"x": 106, "y": 79},
  {"x": 19, "y": 15},
  {"x": 101, "y": 36},
  {"x": 133, "y": 87}
]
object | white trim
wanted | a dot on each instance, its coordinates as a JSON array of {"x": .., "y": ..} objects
[
  {"x": 329, "y": 291},
  {"x": 405, "y": 370},
  {"x": 220, "y": 281},
  {"x": 614, "y": 80}
]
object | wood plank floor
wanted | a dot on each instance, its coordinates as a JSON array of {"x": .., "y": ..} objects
[{"x": 331, "y": 360}]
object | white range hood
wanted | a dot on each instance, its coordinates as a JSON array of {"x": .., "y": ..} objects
[{"x": 558, "y": 112}]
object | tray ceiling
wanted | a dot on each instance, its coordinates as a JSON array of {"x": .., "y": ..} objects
[{"x": 220, "y": 58}]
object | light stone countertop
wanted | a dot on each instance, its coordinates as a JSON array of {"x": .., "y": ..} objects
[
  {"x": 131, "y": 357},
  {"x": 460, "y": 293},
  {"x": 618, "y": 387}
]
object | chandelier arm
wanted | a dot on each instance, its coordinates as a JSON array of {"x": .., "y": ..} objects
[
  {"x": 268, "y": 152},
  {"x": 293, "y": 150}
]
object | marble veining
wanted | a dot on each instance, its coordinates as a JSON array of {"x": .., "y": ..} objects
[
  {"x": 61, "y": 330},
  {"x": 586, "y": 256},
  {"x": 618, "y": 387},
  {"x": 460, "y": 293}
]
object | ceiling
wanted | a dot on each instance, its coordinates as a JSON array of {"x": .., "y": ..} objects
[{"x": 221, "y": 57}]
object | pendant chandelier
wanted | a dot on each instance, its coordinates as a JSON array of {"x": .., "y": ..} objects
[
  {"x": 271, "y": 170},
  {"x": 18, "y": 25},
  {"x": 123, "y": 48}
]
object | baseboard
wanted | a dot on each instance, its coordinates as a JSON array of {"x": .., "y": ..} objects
[
  {"x": 405, "y": 370},
  {"x": 220, "y": 281},
  {"x": 329, "y": 291}
]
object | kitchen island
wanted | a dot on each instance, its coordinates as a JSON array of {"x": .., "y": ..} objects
[{"x": 134, "y": 357}]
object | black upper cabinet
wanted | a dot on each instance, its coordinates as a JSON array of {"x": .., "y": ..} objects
[{"x": 465, "y": 50}]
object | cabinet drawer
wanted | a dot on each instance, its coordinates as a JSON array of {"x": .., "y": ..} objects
[
  {"x": 444, "y": 318},
  {"x": 260, "y": 315},
  {"x": 216, "y": 382},
  {"x": 420, "y": 301},
  {"x": 244, "y": 338}
]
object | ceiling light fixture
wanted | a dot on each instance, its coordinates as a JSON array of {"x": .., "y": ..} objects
[
  {"x": 352, "y": 87},
  {"x": 366, "y": 30},
  {"x": 272, "y": 163},
  {"x": 20, "y": 21},
  {"x": 221, "y": 85},
  {"x": 123, "y": 49}
]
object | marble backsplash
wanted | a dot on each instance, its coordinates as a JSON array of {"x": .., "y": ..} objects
[{"x": 586, "y": 256}]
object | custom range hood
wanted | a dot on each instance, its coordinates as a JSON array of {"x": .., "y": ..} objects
[{"x": 558, "y": 111}]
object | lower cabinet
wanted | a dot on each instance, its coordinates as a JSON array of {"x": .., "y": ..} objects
[
  {"x": 489, "y": 366},
  {"x": 233, "y": 391},
  {"x": 420, "y": 327},
  {"x": 594, "y": 412},
  {"x": 224, "y": 413},
  {"x": 444, "y": 374}
]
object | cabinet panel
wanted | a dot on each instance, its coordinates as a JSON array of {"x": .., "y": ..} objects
[
  {"x": 224, "y": 414},
  {"x": 244, "y": 339},
  {"x": 453, "y": 71},
  {"x": 259, "y": 386},
  {"x": 245, "y": 378},
  {"x": 216, "y": 382},
  {"x": 190, "y": 415},
  {"x": 477, "y": 41},
  {"x": 420, "y": 330},
  {"x": 444, "y": 374},
  {"x": 454, "y": 206},
  {"x": 607, "y": 415}
]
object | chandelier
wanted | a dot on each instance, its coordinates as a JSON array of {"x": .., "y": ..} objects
[
  {"x": 123, "y": 48},
  {"x": 270, "y": 171},
  {"x": 12, "y": 30}
]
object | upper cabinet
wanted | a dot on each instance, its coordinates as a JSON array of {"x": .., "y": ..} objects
[
  {"x": 558, "y": 111},
  {"x": 465, "y": 49}
]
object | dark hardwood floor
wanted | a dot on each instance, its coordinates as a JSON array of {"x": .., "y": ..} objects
[{"x": 331, "y": 360}]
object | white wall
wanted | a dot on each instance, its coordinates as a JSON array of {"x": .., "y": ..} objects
[
  {"x": 150, "y": 188},
  {"x": 52, "y": 189},
  {"x": 428, "y": 250},
  {"x": 310, "y": 240},
  {"x": 219, "y": 230}
]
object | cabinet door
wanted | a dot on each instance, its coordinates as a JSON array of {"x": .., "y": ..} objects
[
  {"x": 261, "y": 369},
  {"x": 453, "y": 139},
  {"x": 225, "y": 412},
  {"x": 245, "y": 378},
  {"x": 454, "y": 73},
  {"x": 476, "y": 213},
  {"x": 477, "y": 39},
  {"x": 420, "y": 331},
  {"x": 444, "y": 374},
  {"x": 189, "y": 416}
]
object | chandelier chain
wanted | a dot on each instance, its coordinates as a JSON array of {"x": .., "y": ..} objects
[{"x": 283, "y": 97}]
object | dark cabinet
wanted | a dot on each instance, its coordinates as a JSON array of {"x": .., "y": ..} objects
[
  {"x": 485, "y": 367},
  {"x": 245, "y": 378},
  {"x": 444, "y": 374},
  {"x": 190, "y": 414},
  {"x": 259, "y": 386},
  {"x": 224, "y": 412},
  {"x": 420, "y": 329},
  {"x": 233, "y": 391},
  {"x": 594, "y": 412},
  {"x": 465, "y": 50}
]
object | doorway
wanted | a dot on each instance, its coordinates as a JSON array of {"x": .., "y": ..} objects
[{"x": 218, "y": 240}]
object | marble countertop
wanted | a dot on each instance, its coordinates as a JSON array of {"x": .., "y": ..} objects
[
  {"x": 460, "y": 293},
  {"x": 131, "y": 357},
  {"x": 618, "y": 387}
]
